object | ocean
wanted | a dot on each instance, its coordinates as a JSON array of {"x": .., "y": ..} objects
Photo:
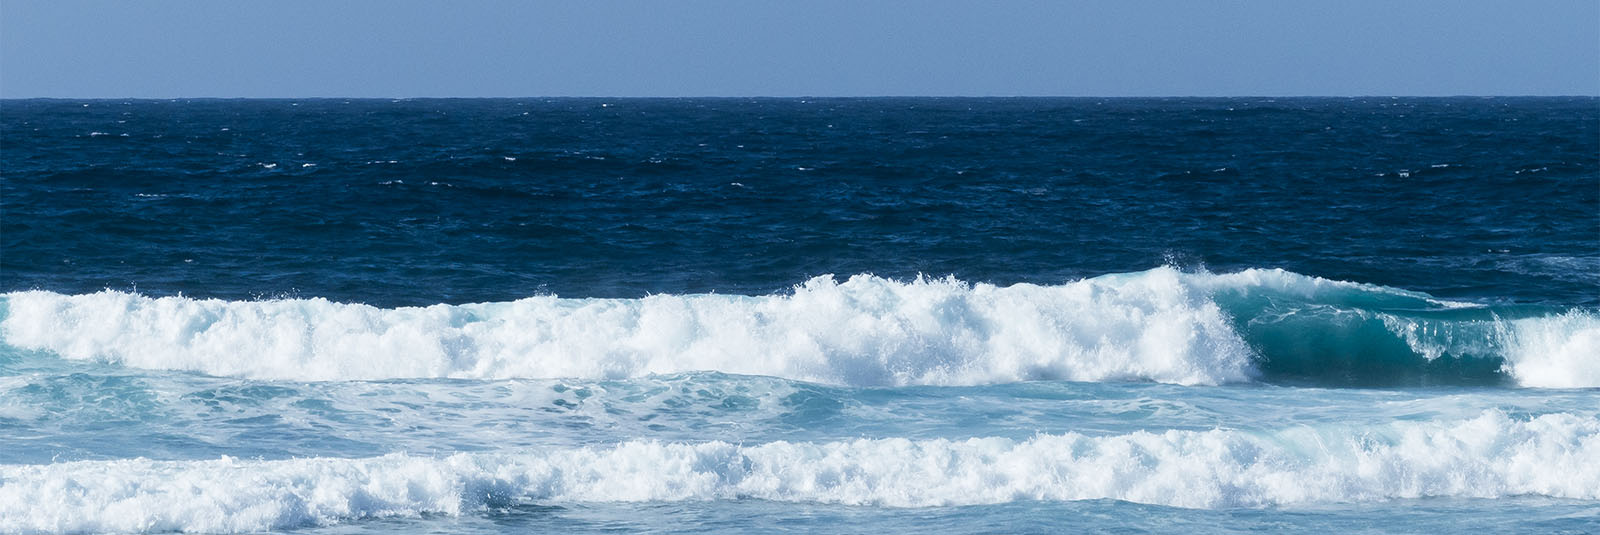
[{"x": 879, "y": 315}]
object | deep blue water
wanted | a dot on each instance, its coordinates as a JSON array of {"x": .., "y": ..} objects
[{"x": 1037, "y": 315}]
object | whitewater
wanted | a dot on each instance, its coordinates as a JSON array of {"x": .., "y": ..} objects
[
  {"x": 1489, "y": 456},
  {"x": 819, "y": 395},
  {"x": 1160, "y": 325}
]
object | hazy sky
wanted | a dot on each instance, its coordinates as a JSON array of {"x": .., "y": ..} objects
[{"x": 791, "y": 48}]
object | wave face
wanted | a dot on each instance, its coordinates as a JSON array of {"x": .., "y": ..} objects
[
  {"x": 1492, "y": 455},
  {"x": 1159, "y": 325}
]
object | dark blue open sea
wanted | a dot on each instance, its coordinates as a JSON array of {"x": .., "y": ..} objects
[{"x": 816, "y": 315}]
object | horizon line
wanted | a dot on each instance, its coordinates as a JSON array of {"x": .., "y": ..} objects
[{"x": 793, "y": 97}]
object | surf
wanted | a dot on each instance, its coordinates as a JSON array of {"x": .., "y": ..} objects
[
  {"x": 1160, "y": 325},
  {"x": 1490, "y": 455}
]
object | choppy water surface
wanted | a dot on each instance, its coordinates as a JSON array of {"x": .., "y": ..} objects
[{"x": 725, "y": 315}]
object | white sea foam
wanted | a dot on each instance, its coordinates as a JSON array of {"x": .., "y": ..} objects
[
  {"x": 1158, "y": 325},
  {"x": 1556, "y": 352},
  {"x": 1492, "y": 455},
  {"x": 864, "y": 331}
]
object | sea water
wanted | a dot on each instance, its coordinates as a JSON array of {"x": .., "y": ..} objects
[{"x": 834, "y": 315}]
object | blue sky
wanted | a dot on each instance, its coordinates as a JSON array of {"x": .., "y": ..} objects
[{"x": 813, "y": 48}]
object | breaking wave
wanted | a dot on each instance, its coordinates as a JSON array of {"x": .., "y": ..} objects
[{"x": 1160, "y": 325}]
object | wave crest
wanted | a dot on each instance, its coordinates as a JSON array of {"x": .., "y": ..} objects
[
  {"x": 864, "y": 331},
  {"x": 1159, "y": 325}
]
